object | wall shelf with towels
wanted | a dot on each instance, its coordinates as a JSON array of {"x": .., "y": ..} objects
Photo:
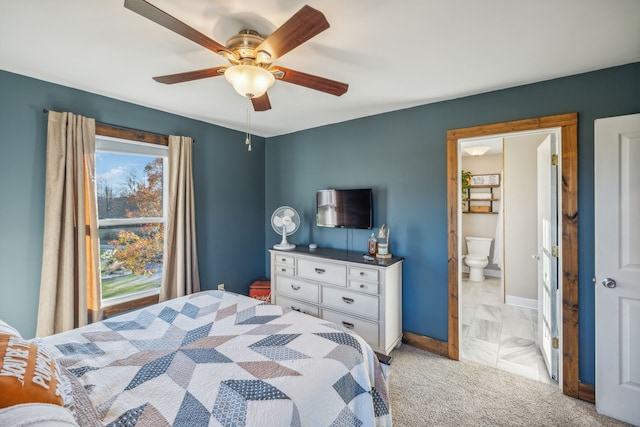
[{"x": 481, "y": 196}]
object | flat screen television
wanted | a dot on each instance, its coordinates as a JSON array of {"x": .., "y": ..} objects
[{"x": 345, "y": 208}]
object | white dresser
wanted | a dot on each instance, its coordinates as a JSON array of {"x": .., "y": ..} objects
[{"x": 344, "y": 288}]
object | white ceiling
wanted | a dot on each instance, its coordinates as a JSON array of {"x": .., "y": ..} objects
[
  {"x": 494, "y": 144},
  {"x": 393, "y": 55}
]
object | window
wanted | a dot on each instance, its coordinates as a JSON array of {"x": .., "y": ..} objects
[{"x": 131, "y": 179}]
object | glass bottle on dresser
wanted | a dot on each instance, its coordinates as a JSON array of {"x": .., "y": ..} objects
[{"x": 372, "y": 245}]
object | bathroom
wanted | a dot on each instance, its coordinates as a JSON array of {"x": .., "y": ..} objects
[{"x": 499, "y": 292}]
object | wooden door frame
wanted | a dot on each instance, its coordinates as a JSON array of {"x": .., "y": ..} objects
[{"x": 569, "y": 232}]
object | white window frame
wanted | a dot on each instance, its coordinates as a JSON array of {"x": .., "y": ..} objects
[{"x": 130, "y": 147}]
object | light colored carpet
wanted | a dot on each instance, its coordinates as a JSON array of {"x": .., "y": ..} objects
[{"x": 430, "y": 390}]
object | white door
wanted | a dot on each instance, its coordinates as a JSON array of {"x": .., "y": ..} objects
[
  {"x": 617, "y": 267},
  {"x": 547, "y": 255}
]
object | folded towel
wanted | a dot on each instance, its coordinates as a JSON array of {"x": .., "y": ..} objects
[{"x": 481, "y": 195}]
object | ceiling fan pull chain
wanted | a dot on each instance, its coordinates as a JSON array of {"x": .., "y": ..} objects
[{"x": 248, "y": 139}]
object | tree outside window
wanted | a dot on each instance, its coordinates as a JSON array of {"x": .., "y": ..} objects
[{"x": 131, "y": 201}]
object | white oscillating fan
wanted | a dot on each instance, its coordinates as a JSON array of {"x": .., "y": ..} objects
[{"x": 285, "y": 220}]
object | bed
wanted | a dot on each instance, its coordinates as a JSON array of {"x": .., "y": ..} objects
[{"x": 219, "y": 359}]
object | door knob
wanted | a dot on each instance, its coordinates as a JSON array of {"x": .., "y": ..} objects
[
  {"x": 608, "y": 283},
  {"x": 536, "y": 257}
]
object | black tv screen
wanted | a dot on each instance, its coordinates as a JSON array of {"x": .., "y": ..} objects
[{"x": 344, "y": 208}]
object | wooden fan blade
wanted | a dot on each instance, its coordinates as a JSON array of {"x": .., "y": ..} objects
[
  {"x": 189, "y": 75},
  {"x": 312, "y": 82},
  {"x": 305, "y": 24},
  {"x": 149, "y": 11},
  {"x": 261, "y": 103}
]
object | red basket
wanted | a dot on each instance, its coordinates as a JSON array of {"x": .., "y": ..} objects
[{"x": 261, "y": 289}]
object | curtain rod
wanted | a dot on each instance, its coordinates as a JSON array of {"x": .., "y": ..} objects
[{"x": 106, "y": 129}]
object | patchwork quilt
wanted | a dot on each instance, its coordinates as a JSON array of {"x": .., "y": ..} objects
[{"x": 221, "y": 359}]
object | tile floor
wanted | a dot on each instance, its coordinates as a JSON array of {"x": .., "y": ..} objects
[{"x": 499, "y": 335}]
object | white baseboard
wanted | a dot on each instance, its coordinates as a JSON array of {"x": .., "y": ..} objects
[
  {"x": 492, "y": 273},
  {"x": 522, "y": 302}
]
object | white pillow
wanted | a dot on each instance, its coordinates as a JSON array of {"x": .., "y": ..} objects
[
  {"x": 37, "y": 415},
  {"x": 6, "y": 328}
]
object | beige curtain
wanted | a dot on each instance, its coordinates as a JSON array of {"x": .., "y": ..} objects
[
  {"x": 69, "y": 284},
  {"x": 180, "y": 274}
]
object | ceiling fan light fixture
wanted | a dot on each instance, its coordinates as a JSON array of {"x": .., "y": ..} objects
[
  {"x": 476, "y": 151},
  {"x": 249, "y": 80},
  {"x": 263, "y": 57}
]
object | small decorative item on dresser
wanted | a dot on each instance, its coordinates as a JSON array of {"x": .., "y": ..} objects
[
  {"x": 261, "y": 289},
  {"x": 383, "y": 242},
  {"x": 372, "y": 245}
]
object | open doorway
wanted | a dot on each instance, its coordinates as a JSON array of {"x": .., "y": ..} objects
[
  {"x": 508, "y": 282},
  {"x": 569, "y": 377}
]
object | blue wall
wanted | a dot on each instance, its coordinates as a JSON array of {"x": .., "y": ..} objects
[
  {"x": 402, "y": 156},
  {"x": 228, "y": 186}
]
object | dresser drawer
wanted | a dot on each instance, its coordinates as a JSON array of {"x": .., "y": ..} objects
[
  {"x": 336, "y": 274},
  {"x": 363, "y": 273},
  {"x": 298, "y": 306},
  {"x": 285, "y": 269},
  {"x": 367, "y": 330},
  {"x": 359, "y": 285},
  {"x": 351, "y": 302},
  {"x": 297, "y": 288},
  {"x": 285, "y": 260}
]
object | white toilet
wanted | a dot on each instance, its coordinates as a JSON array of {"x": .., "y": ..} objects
[{"x": 477, "y": 257}]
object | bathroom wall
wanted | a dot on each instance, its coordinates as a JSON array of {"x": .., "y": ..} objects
[
  {"x": 520, "y": 219},
  {"x": 481, "y": 225}
]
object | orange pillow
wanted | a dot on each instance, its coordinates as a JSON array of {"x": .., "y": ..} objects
[{"x": 28, "y": 373}]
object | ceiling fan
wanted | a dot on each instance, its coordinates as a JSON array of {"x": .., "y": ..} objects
[{"x": 251, "y": 56}]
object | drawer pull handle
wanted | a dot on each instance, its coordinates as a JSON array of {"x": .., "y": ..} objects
[
  {"x": 362, "y": 274},
  {"x": 283, "y": 269},
  {"x": 348, "y": 325},
  {"x": 320, "y": 270},
  {"x": 283, "y": 260},
  {"x": 348, "y": 300},
  {"x": 295, "y": 287},
  {"x": 362, "y": 286},
  {"x": 299, "y": 310}
]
